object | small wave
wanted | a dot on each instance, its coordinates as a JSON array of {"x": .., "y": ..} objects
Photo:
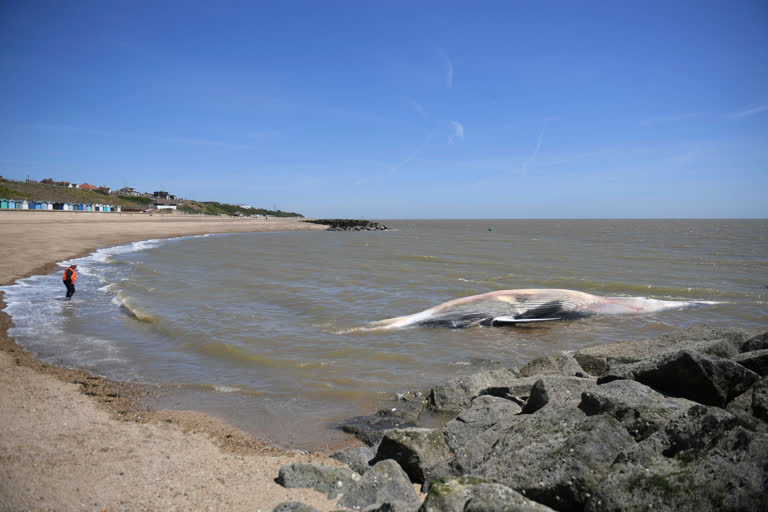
[
  {"x": 130, "y": 309},
  {"x": 225, "y": 389}
]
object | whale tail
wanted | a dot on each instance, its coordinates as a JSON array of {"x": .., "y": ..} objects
[{"x": 636, "y": 305}]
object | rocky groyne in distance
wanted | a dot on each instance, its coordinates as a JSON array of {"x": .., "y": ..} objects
[
  {"x": 349, "y": 224},
  {"x": 674, "y": 423}
]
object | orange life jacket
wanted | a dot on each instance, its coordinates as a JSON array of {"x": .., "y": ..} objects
[{"x": 72, "y": 275}]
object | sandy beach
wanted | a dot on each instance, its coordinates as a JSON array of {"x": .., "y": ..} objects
[{"x": 74, "y": 441}]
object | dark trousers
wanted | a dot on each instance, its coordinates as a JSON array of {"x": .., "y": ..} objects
[{"x": 70, "y": 288}]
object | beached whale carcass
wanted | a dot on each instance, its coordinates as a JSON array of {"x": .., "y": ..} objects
[{"x": 523, "y": 306}]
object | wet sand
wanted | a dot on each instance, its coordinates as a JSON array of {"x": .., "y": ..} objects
[{"x": 70, "y": 440}]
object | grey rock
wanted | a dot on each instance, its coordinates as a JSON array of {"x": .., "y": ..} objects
[
  {"x": 456, "y": 394},
  {"x": 358, "y": 459},
  {"x": 417, "y": 450},
  {"x": 704, "y": 379},
  {"x": 401, "y": 414},
  {"x": 484, "y": 412},
  {"x": 556, "y": 391},
  {"x": 759, "y": 342},
  {"x": 755, "y": 360},
  {"x": 472, "y": 494},
  {"x": 385, "y": 483},
  {"x": 754, "y": 401},
  {"x": 390, "y": 506},
  {"x": 760, "y": 399},
  {"x": 702, "y": 461},
  {"x": 555, "y": 457},
  {"x": 555, "y": 364},
  {"x": 701, "y": 338},
  {"x": 328, "y": 480},
  {"x": 639, "y": 408},
  {"x": 293, "y": 506}
]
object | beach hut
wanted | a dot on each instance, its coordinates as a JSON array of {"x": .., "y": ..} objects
[
  {"x": 118, "y": 208},
  {"x": 20, "y": 204},
  {"x": 25, "y": 205},
  {"x": 44, "y": 205},
  {"x": 3, "y": 204},
  {"x": 11, "y": 204},
  {"x": 58, "y": 206},
  {"x": 88, "y": 208}
]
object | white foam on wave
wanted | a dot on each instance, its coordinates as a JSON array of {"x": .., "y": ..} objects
[{"x": 226, "y": 389}]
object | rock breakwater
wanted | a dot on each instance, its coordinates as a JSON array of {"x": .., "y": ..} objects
[
  {"x": 349, "y": 225},
  {"x": 674, "y": 423}
]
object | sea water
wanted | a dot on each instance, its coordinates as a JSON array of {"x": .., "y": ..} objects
[{"x": 262, "y": 329}]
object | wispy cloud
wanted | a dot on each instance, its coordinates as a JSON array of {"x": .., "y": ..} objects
[
  {"x": 750, "y": 111},
  {"x": 418, "y": 108},
  {"x": 448, "y": 68},
  {"x": 413, "y": 154},
  {"x": 458, "y": 131},
  {"x": 535, "y": 153}
]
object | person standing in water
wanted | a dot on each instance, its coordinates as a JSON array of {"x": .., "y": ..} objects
[{"x": 70, "y": 276}]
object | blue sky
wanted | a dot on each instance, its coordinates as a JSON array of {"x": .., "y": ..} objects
[{"x": 397, "y": 109}]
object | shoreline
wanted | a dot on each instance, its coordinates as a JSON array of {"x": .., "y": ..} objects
[{"x": 56, "y": 420}]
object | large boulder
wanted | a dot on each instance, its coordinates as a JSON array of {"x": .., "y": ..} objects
[
  {"x": 701, "y": 338},
  {"x": 553, "y": 364},
  {"x": 472, "y": 494},
  {"x": 484, "y": 412},
  {"x": 754, "y": 401},
  {"x": 384, "y": 485},
  {"x": 556, "y": 391},
  {"x": 555, "y": 457},
  {"x": 293, "y": 506},
  {"x": 702, "y": 461},
  {"x": 417, "y": 450},
  {"x": 456, "y": 394},
  {"x": 358, "y": 459},
  {"x": 326, "y": 479},
  {"x": 401, "y": 414},
  {"x": 759, "y": 342},
  {"x": 639, "y": 408},
  {"x": 755, "y": 360},
  {"x": 704, "y": 379}
]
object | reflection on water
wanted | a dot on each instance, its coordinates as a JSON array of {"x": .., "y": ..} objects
[{"x": 260, "y": 328}]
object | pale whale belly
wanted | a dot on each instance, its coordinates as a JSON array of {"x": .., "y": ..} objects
[{"x": 529, "y": 305}]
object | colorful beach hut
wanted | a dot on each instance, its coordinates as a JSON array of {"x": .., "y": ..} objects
[
  {"x": 20, "y": 204},
  {"x": 3, "y": 204},
  {"x": 11, "y": 204}
]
